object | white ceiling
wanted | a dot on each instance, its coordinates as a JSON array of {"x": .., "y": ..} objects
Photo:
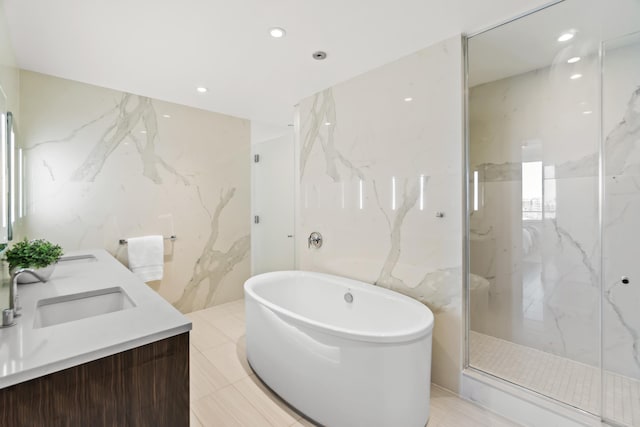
[{"x": 164, "y": 49}]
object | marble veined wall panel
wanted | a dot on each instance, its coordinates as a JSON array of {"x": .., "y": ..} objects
[
  {"x": 541, "y": 258},
  {"x": 104, "y": 165},
  {"x": 544, "y": 274},
  {"x": 378, "y": 157}
]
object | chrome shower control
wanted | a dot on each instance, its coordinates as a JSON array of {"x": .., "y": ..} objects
[
  {"x": 625, "y": 280},
  {"x": 315, "y": 240}
]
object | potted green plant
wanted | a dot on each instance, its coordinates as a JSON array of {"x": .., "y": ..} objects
[{"x": 40, "y": 255}]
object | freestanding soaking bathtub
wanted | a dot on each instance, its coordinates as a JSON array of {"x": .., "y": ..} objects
[{"x": 342, "y": 352}]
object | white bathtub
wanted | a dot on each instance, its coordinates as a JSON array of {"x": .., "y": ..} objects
[{"x": 364, "y": 363}]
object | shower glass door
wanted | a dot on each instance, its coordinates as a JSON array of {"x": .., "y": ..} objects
[
  {"x": 554, "y": 205},
  {"x": 621, "y": 230},
  {"x": 534, "y": 241}
]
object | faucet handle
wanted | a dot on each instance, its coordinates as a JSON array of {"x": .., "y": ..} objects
[{"x": 7, "y": 318}]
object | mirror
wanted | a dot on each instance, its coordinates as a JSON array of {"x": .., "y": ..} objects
[
  {"x": 6, "y": 124},
  {"x": 4, "y": 268},
  {"x": 10, "y": 176},
  {"x": 13, "y": 176}
]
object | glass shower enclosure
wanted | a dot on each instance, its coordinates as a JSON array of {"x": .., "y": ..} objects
[{"x": 553, "y": 143}]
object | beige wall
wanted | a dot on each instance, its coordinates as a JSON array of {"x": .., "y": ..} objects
[
  {"x": 406, "y": 158},
  {"x": 104, "y": 165}
]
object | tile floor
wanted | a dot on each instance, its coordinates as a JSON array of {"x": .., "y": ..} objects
[
  {"x": 566, "y": 380},
  {"x": 225, "y": 392}
]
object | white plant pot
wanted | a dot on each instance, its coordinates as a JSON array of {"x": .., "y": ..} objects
[{"x": 44, "y": 272}]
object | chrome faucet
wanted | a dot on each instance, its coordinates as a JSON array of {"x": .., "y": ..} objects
[{"x": 14, "y": 301}]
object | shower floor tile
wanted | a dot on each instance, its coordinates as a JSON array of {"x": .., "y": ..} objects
[{"x": 563, "y": 379}]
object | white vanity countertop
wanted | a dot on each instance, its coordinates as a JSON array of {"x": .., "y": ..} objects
[{"x": 27, "y": 353}]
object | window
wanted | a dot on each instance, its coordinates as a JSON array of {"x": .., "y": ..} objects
[
  {"x": 538, "y": 191},
  {"x": 532, "y": 195}
]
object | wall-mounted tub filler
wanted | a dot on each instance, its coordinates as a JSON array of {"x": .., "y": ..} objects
[{"x": 315, "y": 240}]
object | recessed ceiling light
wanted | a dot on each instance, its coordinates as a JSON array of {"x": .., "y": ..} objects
[
  {"x": 408, "y": 99},
  {"x": 202, "y": 89},
  {"x": 573, "y": 60},
  {"x": 575, "y": 76},
  {"x": 565, "y": 37},
  {"x": 277, "y": 32},
  {"x": 143, "y": 131},
  {"x": 327, "y": 123},
  {"x": 166, "y": 116},
  {"x": 587, "y": 112}
]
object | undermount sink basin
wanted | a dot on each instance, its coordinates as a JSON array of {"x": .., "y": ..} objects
[{"x": 69, "y": 308}]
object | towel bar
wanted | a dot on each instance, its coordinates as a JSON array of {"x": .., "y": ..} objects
[{"x": 172, "y": 238}]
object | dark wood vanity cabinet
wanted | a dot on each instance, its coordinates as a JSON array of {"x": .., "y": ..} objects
[{"x": 145, "y": 386}]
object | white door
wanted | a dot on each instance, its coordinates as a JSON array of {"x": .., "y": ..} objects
[{"x": 272, "y": 242}]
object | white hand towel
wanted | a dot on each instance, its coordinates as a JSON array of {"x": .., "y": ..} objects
[{"x": 146, "y": 257}]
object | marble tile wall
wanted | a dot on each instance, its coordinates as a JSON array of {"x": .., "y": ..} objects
[
  {"x": 378, "y": 157},
  {"x": 540, "y": 279},
  {"x": 543, "y": 275},
  {"x": 104, "y": 165}
]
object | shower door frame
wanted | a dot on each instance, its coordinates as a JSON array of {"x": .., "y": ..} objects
[{"x": 466, "y": 256}]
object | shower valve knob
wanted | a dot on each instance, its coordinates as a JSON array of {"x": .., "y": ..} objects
[
  {"x": 315, "y": 240},
  {"x": 625, "y": 280}
]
